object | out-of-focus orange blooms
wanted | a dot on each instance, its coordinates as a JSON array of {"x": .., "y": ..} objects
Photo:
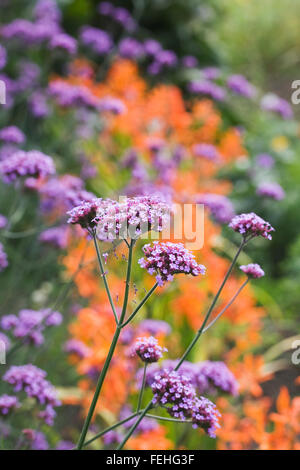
[{"x": 161, "y": 113}]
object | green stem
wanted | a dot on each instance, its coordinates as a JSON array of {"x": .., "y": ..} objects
[
  {"x": 172, "y": 420},
  {"x": 104, "y": 277},
  {"x": 140, "y": 305},
  {"x": 197, "y": 336},
  {"x": 109, "y": 356},
  {"x": 114, "y": 426},
  {"x": 226, "y": 306},
  {"x": 135, "y": 425},
  {"x": 142, "y": 389}
]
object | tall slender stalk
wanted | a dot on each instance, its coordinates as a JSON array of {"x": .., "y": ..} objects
[
  {"x": 140, "y": 305},
  {"x": 104, "y": 276},
  {"x": 142, "y": 389},
  {"x": 191, "y": 346},
  {"x": 110, "y": 353}
]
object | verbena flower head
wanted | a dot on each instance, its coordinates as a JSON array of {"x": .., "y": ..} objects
[
  {"x": 3, "y": 221},
  {"x": 271, "y": 190},
  {"x": 98, "y": 40},
  {"x": 3, "y": 258},
  {"x": 55, "y": 236},
  {"x": 113, "y": 105},
  {"x": 31, "y": 380},
  {"x": 240, "y": 85},
  {"x": 64, "y": 42},
  {"x": 84, "y": 214},
  {"x": 253, "y": 270},
  {"x": 77, "y": 347},
  {"x": 211, "y": 377},
  {"x": 131, "y": 48},
  {"x": 176, "y": 393},
  {"x": 167, "y": 259},
  {"x": 148, "y": 349},
  {"x": 12, "y": 135},
  {"x": 131, "y": 218},
  {"x": 205, "y": 415},
  {"x": 30, "y": 324},
  {"x": 220, "y": 206},
  {"x": 207, "y": 151},
  {"x": 33, "y": 163},
  {"x": 275, "y": 104},
  {"x": 8, "y": 403},
  {"x": 154, "y": 327},
  {"x": 251, "y": 225},
  {"x": 206, "y": 87},
  {"x": 208, "y": 377}
]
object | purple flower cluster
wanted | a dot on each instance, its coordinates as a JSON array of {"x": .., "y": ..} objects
[
  {"x": 220, "y": 206},
  {"x": 154, "y": 327},
  {"x": 113, "y": 105},
  {"x": 253, "y": 270},
  {"x": 84, "y": 214},
  {"x": 207, "y": 151},
  {"x": 205, "y": 415},
  {"x": 12, "y": 135},
  {"x": 189, "y": 61},
  {"x": 176, "y": 393},
  {"x": 131, "y": 48},
  {"x": 64, "y": 42},
  {"x": 271, "y": 190},
  {"x": 63, "y": 193},
  {"x": 31, "y": 380},
  {"x": 118, "y": 14},
  {"x": 206, "y": 87},
  {"x": 55, "y": 236},
  {"x": 30, "y": 324},
  {"x": 38, "y": 104},
  {"x": 264, "y": 160},
  {"x": 148, "y": 349},
  {"x": 251, "y": 225},
  {"x": 208, "y": 377},
  {"x": 68, "y": 95},
  {"x": 128, "y": 218},
  {"x": 77, "y": 347},
  {"x": 33, "y": 163},
  {"x": 8, "y": 403},
  {"x": 213, "y": 376},
  {"x": 275, "y": 104},
  {"x": 167, "y": 259},
  {"x": 240, "y": 85},
  {"x": 37, "y": 439},
  {"x": 96, "y": 39}
]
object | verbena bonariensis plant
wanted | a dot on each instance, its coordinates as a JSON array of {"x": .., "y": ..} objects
[{"x": 108, "y": 220}]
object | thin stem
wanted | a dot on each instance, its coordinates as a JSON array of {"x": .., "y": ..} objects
[
  {"x": 140, "y": 305},
  {"x": 109, "y": 356},
  {"x": 197, "y": 336},
  {"x": 135, "y": 425},
  {"x": 172, "y": 420},
  {"x": 142, "y": 389},
  {"x": 114, "y": 426},
  {"x": 226, "y": 306},
  {"x": 200, "y": 331},
  {"x": 104, "y": 277}
]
